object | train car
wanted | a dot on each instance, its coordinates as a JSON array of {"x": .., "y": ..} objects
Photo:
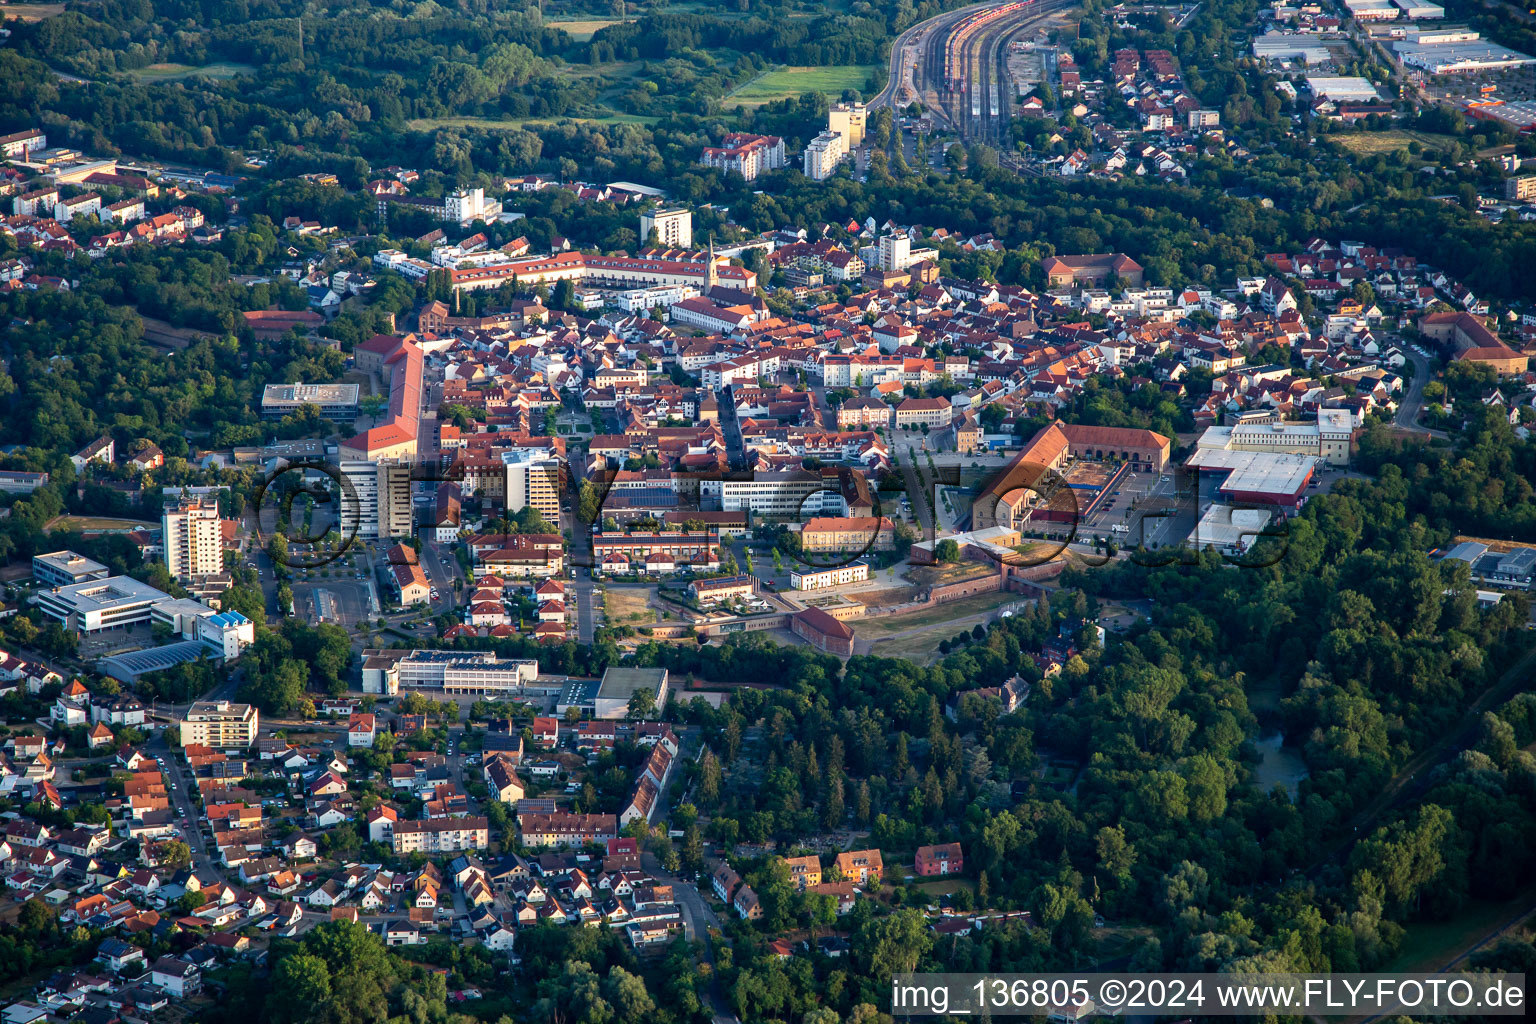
[
  {"x": 976, "y": 103},
  {"x": 954, "y": 45}
]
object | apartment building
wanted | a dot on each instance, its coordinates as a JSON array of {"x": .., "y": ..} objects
[
  {"x": 862, "y": 867},
  {"x": 189, "y": 530},
  {"x": 540, "y": 830},
  {"x": 823, "y": 154},
  {"x": 441, "y": 835},
  {"x": 674, "y": 228},
  {"x": 748, "y": 155},
  {"x": 534, "y": 478},
  {"x": 220, "y": 724},
  {"x": 848, "y": 120},
  {"x": 804, "y": 871}
]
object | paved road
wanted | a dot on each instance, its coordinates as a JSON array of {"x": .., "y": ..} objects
[
  {"x": 583, "y": 598},
  {"x": 922, "y": 512},
  {"x": 887, "y": 96},
  {"x": 189, "y": 819},
  {"x": 1407, "y": 417}
]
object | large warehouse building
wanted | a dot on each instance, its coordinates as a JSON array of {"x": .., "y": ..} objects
[{"x": 1257, "y": 478}]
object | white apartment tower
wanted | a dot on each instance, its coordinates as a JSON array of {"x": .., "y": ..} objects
[
  {"x": 189, "y": 526},
  {"x": 533, "y": 478},
  {"x": 823, "y": 154},
  {"x": 895, "y": 252},
  {"x": 674, "y": 228}
]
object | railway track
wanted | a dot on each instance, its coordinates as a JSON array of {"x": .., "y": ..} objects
[{"x": 956, "y": 64}]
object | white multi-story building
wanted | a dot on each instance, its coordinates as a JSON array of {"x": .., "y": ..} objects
[
  {"x": 94, "y": 605},
  {"x": 674, "y": 228},
  {"x": 766, "y": 494},
  {"x": 441, "y": 835},
  {"x": 18, "y": 145},
  {"x": 87, "y": 205},
  {"x": 228, "y": 633},
  {"x": 220, "y": 724},
  {"x": 378, "y": 500},
  {"x": 466, "y": 205},
  {"x": 64, "y": 568},
  {"x": 1328, "y": 438},
  {"x": 895, "y": 252},
  {"x": 823, "y": 154},
  {"x": 189, "y": 529},
  {"x": 642, "y": 300},
  {"x": 456, "y": 672},
  {"x": 820, "y": 579},
  {"x": 533, "y": 478}
]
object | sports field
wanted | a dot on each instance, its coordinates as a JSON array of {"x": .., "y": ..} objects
[
  {"x": 96, "y": 523},
  {"x": 786, "y": 82},
  {"x": 173, "y": 72}
]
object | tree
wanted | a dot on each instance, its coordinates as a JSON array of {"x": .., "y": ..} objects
[
  {"x": 627, "y": 995},
  {"x": 301, "y": 987},
  {"x": 187, "y": 902},
  {"x": 36, "y": 917},
  {"x": 894, "y": 944},
  {"x": 947, "y": 551},
  {"x": 176, "y": 855},
  {"x": 642, "y": 703}
]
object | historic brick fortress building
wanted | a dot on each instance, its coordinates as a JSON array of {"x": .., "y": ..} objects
[
  {"x": 1015, "y": 497},
  {"x": 1474, "y": 341}
]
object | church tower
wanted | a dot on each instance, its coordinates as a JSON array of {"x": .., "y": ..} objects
[{"x": 711, "y": 275}]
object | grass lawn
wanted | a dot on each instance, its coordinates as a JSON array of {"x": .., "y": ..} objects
[
  {"x": 1430, "y": 945},
  {"x": 786, "y": 82},
  {"x": 1371, "y": 143},
  {"x": 582, "y": 29},
  {"x": 171, "y": 72},
  {"x": 946, "y": 886},
  {"x": 427, "y": 124},
  {"x": 883, "y": 596},
  {"x": 626, "y": 606},
  {"x": 952, "y": 572},
  {"x": 916, "y": 636},
  {"x": 33, "y": 12},
  {"x": 949, "y": 616}
]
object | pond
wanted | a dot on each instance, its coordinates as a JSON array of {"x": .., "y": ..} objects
[{"x": 1278, "y": 765}]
